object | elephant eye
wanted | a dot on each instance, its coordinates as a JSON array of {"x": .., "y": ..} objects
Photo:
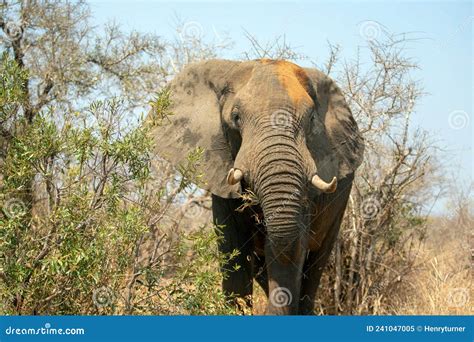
[
  {"x": 235, "y": 116},
  {"x": 312, "y": 116}
]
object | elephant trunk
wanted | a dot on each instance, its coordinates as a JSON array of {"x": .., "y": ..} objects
[{"x": 279, "y": 180}]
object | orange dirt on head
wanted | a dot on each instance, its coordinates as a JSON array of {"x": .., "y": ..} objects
[
  {"x": 293, "y": 78},
  {"x": 267, "y": 60}
]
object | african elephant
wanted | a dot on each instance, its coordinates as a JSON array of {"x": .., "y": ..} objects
[{"x": 285, "y": 133}]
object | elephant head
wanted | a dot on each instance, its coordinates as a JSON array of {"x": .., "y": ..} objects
[{"x": 283, "y": 131}]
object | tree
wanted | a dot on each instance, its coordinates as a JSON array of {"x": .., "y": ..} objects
[
  {"x": 385, "y": 220},
  {"x": 77, "y": 196}
]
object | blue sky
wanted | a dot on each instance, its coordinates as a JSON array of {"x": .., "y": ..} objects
[{"x": 444, "y": 50}]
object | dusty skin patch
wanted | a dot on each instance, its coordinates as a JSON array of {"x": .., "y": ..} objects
[{"x": 293, "y": 78}]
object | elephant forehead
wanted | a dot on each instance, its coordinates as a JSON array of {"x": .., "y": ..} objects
[{"x": 293, "y": 79}]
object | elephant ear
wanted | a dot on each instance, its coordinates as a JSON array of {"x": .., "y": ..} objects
[
  {"x": 195, "y": 121},
  {"x": 335, "y": 141}
]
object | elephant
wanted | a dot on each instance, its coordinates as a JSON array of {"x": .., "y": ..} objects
[{"x": 285, "y": 135}]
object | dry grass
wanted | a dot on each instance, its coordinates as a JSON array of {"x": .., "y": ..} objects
[{"x": 440, "y": 282}]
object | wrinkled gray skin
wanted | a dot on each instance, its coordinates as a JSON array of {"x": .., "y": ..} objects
[{"x": 280, "y": 125}]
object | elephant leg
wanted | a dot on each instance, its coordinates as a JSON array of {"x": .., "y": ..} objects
[
  {"x": 313, "y": 269},
  {"x": 331, "y": 212},
  {"x": 284, "y": 274},
  {"x": 235, "y": 233}
]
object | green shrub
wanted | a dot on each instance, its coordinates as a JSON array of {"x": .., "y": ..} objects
[{"x": 79, "y": 205}]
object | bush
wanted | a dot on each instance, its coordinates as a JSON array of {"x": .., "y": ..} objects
[{"x": 78, "y": 209}]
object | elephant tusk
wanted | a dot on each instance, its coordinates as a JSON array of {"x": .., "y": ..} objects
[
  {"x": 234, "y": 176},
  {"x": 323, "y": 186}
]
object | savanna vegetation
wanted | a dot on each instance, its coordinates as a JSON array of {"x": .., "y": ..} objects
[{"x": 93, "y": 222}]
